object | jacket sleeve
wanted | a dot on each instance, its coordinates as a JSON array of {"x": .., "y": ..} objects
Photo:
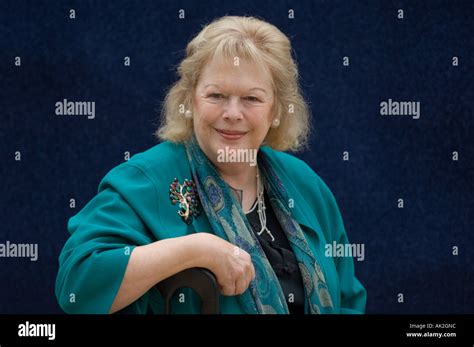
[
  {"x": 104, "y": 233},
  {"x": 353, "y": 294}
]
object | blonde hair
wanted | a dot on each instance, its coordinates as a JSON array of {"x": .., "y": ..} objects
[{"x": 248, "y": 38}]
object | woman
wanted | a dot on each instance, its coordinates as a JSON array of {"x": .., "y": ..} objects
[{"x": 204, "y": 198}]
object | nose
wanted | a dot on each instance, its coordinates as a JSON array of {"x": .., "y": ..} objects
[{"x": 233, "y": 109}]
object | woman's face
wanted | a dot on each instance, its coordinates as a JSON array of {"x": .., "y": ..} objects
[{"x": 233, "y": 107}]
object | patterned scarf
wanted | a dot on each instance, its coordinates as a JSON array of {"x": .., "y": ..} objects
[{"x": 229, "y": 222}]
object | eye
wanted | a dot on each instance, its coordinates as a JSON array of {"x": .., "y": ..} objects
[
  {"x": 252, "y": 98},
  {"x": 216, "y": 96}
]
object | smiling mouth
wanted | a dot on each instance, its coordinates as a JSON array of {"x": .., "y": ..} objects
[{"x": 231, "y": 134}]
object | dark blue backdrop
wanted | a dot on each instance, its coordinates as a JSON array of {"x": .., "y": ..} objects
[{"x": 407, "y": 250}]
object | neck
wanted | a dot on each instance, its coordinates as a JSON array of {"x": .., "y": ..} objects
[{"x": 241, "y": 176}]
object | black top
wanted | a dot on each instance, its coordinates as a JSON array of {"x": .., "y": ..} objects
[{"x": 281, "y": 257}]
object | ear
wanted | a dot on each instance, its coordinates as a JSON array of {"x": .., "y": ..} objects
[{"x": 275, "y": 110}]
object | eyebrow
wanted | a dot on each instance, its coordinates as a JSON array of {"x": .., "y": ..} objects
[{"x": 215, "y": 85}]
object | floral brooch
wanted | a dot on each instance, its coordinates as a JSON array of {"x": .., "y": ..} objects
[{"x": 186, "y": 195}]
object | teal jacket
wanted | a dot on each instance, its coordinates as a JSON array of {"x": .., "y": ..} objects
[{"x": 133, "y": 208}]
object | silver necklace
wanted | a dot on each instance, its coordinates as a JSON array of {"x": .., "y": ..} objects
[{"x": 261, "y": 207}]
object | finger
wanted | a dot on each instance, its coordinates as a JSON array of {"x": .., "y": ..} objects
[
  {"x": 228, "y": 290},
  {"x": 240, "y": 284},
  {"x": 249, "y": 274}
]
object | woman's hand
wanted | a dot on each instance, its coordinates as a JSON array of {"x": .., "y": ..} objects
[
  {"x": 152, "y": 263},
  {"x": 231, "y": 265}
]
